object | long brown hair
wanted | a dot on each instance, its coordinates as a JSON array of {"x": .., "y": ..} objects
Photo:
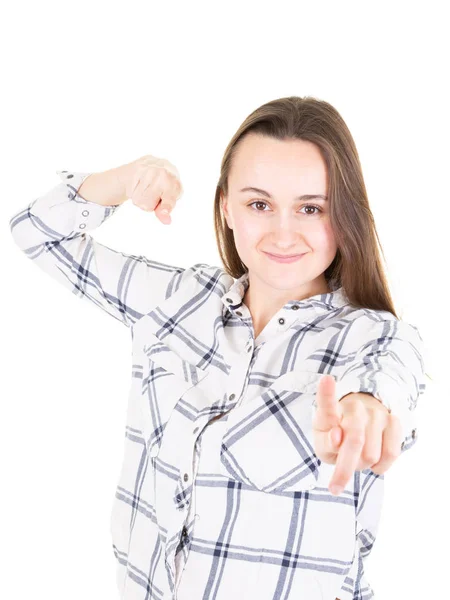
[{"x": 358, "y": 266}]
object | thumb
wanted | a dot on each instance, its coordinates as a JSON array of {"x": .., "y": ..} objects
[
  {"x": 335, "y": 437},
  {"x": 163, "y": 211}
]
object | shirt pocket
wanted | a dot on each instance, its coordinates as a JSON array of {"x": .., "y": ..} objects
[
  {"x": 166, "y": 379},
  {"x": 268, "y": 440}
]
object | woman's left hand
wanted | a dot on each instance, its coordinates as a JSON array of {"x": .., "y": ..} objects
[{"x": 356, "y": 433}]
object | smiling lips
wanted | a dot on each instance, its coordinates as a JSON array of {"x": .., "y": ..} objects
[
  {"x": 283, "y": 255},
  {"x": 284, "y": 258}
]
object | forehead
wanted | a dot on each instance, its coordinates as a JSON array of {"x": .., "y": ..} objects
[{"x": 263, "y": 160}]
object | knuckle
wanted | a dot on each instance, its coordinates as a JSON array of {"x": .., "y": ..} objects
[
  {"x": 175, "y": 184},
  {"x": 379, "y": 415},
  {"x": 356, "y": 438},
  {"x": 370, "y": 458},
  {"x": 392, "y": 453},
  {"x": 160, "y": 175},
  {"x": 394, "y": 420}
]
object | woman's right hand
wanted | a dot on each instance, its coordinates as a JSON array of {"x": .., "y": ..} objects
[{"x": 152, "y": 184}]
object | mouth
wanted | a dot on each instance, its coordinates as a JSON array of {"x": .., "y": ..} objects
[{"x": 284, "y": 258}]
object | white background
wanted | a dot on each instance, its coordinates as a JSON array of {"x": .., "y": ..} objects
[{"x": 88, "y": 86}]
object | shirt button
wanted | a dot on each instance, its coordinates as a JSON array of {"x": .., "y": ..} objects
[
  {"x": 281, "y": 321},
  {"x": 229, "y": 300},
  {"x": 295, "y": 307},
  {"x": 85, "y": 213},
  {"x": 186, "y": 477},
  {"x": 414, "y": 433},
  {"x": 184, "y": 532},
  {"x": 196, "y": 429},
  {"x": 239, "y": 313},
  {"x": 82, "y": 226},
  {"x": 232, "y": 396}
]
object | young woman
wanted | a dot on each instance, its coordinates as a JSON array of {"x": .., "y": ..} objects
[{"x": 255, "y": 387}]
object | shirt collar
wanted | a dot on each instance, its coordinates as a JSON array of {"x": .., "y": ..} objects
[{"x": 324, "y": 302}]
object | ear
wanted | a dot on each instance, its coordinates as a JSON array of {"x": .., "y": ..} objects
[{"x": 224, "y": 208}]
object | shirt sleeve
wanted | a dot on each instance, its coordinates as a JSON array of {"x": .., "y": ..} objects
[
  {"x": 390, "y": 366},
  {"x": 53, "y": 232}
]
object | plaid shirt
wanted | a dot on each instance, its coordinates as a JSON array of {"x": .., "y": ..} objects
[{"x": 221, "y": 494}]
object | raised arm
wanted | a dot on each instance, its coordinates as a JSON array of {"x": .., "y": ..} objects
[{"x": 53, "y": 231}]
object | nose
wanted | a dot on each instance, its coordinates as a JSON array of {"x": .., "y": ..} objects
[
  {"x": 285, "y": 244},
  {"x": 285, "y": 226}
]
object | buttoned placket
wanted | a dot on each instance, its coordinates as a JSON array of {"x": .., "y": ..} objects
[
  {"x": 186, "y": 506},
  {"x": 84, "y": 213},
  {"x": 237, "y": 384},
  {"x": 284, "y": 321},
  {"x": 183, "y": 509},
  {"x": 186, "y": 510}
]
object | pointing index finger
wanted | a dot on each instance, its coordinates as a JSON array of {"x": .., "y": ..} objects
[
  {"x": 349, "y": 452},
  {"x": 327, "y": 414}
]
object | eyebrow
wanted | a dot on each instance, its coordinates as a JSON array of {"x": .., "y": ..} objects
[{"x": 304, "y": 197}]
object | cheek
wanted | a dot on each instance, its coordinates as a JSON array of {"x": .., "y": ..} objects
[
  {"x": 323, "y": 237},
  {"x": 247, "y": 231}
]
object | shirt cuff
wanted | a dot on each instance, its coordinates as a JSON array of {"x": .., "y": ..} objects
[
  {"x": 391, "y": 396},
  {"x": 390, "y": 367}
]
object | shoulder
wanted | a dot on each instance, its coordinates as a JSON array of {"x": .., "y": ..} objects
[
  {"x": 202, "y": 276},
  {"x": 368, "y": 325},
  {"x": 203, "y": 273}
]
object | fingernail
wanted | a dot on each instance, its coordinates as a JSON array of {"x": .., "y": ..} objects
[{"x": 336, "y": 489}]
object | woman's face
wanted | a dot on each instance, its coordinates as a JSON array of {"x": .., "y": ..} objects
[{"x": 283, "y": 223}]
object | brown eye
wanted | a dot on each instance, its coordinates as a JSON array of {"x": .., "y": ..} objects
[
  {"x": 258, "y": 202},
  {"x": 304, "y": 206},
  {"x": 312, "y": 206}
]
